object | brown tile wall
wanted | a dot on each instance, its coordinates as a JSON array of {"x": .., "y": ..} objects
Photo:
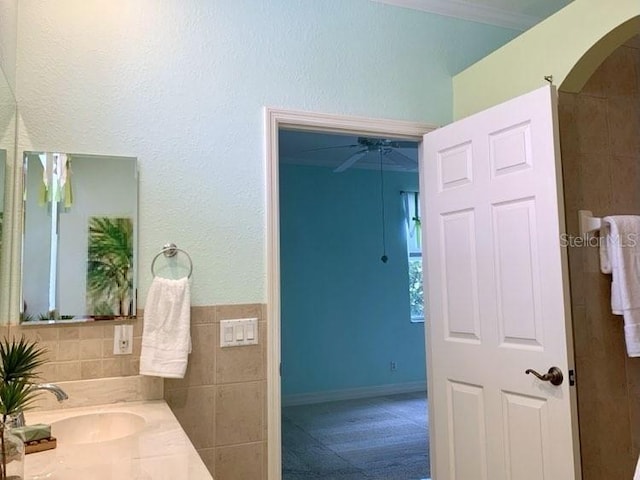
[
  {"x": 600, "y": 141},
  {"x": 221, "y": 402}
]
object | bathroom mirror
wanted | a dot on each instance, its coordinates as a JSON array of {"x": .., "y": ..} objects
[{"x": 79, "y": 252}]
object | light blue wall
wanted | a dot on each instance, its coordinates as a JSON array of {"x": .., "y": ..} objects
[
  {"x": 8, "y": 38},
  {"x": 345, "y": 314},
  {"x": 181, "y": 84}
]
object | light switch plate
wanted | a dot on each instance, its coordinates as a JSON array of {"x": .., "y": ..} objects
[{"x": 238, "y": 332}]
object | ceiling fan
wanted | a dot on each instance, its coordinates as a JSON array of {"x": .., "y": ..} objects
[
  {"x": 385, "y": 148},
  {"x": 389, "y": 149}
]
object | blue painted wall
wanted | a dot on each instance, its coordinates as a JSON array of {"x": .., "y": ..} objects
[
  {"x": 181, "y": 84},
  {"x": 345, "y": 314}
]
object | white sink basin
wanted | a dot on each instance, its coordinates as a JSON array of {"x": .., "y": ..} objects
[
  {"x": 96, "y": 427},
  {"x": 133, "y": 440}
]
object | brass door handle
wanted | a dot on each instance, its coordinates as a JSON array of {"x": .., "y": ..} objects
[{"x": 554, "y": 375}]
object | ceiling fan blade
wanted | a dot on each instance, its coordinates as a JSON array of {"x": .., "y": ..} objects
[
  {"x": 403, "y": 144},
  {"x": 328, "y": 148},
  {"x": 350, "y": 161},
  {"x": 401, "y": 159}
]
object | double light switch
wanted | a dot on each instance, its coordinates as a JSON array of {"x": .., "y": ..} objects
[{"x": 238, "y": 332}]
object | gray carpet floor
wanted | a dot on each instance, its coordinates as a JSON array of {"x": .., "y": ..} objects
[{"x": 382, "y": 438}]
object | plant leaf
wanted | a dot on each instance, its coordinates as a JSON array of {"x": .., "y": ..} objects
[
  {"x": 15, "y": 396},
  {"x": 19, "y": 360}
]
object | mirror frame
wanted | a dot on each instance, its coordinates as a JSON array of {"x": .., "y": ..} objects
[{"x": 11, "y": 220}]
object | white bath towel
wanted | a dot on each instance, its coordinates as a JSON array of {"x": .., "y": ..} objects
[
  {"x": 166, "y": 338},
  {"x": 620, "y": 256}
]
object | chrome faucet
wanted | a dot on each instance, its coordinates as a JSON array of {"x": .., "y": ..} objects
[
  {"x": 17, "y": 419},
  {"x": 53, "y": 388}
]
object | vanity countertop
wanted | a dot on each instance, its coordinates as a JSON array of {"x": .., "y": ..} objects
[{"x": 159, "y": 450}]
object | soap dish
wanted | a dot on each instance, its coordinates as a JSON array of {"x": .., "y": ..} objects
[{"x": 40, "y": 445}]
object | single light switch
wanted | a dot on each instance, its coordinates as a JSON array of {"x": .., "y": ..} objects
[
  {"x": 250, "y": 332},
  {"x": 228, "y": 334},
  {"x": 239, "y": 333}
]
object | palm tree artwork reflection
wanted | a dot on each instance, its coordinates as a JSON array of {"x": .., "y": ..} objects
[{"x": 110, "y": 267}]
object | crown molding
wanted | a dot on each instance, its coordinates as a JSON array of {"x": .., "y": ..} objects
[{"x": 469, "y": 11}]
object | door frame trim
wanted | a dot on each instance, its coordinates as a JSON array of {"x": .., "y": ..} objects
[{"x": 274, "y": 119}]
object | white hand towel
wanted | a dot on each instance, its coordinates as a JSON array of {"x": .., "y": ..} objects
[
  {"x": 608, "y": 247},
  {"x": 622, "y": 250},
  {"x": 605, "y": 259},
  {"x": 166, "y": 338}
]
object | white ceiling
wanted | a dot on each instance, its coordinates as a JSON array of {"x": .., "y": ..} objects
[
  {"x": 514, "y": 14},
  {"x": 332, "y": 150}
]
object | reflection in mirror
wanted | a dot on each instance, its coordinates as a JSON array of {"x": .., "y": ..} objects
[{"x": 79, "y": 237}]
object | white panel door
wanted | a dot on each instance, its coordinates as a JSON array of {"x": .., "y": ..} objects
[{"x": 496, "y": 278}]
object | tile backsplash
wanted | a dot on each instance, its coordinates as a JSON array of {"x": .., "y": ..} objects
[
  {"x": 221, "y": 402},
  {"x": 82, "y": 351}
]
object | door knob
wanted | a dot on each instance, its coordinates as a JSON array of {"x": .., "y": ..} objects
[{"x": 554, "y": 375}]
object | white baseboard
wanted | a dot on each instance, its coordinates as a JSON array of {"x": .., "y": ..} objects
[{"x": 352, "y": 393}]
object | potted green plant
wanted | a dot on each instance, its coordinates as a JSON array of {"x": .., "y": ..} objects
[{"x": 19, "y": 360}]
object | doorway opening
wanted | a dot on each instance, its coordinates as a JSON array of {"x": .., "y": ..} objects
[
  {"x": 352, "y": 319},
  {"x": 296, "y": 400}
]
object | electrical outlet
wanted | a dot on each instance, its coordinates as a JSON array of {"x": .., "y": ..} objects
[
  {"x": 123, "y": 339},
  {"x": 393, "y": 366}
]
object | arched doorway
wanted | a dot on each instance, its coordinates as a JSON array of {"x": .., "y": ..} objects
[{"x": 600, "y": 144}]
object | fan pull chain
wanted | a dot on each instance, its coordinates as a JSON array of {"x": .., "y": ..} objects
[{"x": 384, "y": 257}]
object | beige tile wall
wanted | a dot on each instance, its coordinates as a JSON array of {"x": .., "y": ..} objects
[
  {"x": 221, "y": 402},
  {"x": 600, "y": 141},
  {"x": 82, "y": 351}
]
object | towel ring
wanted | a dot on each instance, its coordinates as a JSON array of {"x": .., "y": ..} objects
[{"x": 170, "y": 250}]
